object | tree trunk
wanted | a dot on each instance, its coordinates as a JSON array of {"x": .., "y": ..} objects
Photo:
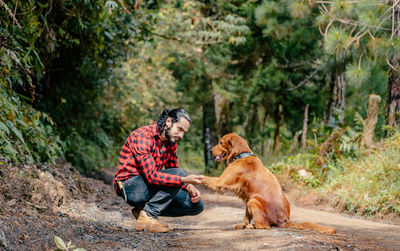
[
  {"x": 295, "y": 142},
  {"x": 336, "y": 104},
  {"x": 208, "y": 135},
  {"x": 278, "y": 118},
  {"x": 218, "y": 108},
  {"x": 222, "y": 114},
  {"x": 252, "y": 126},
  {"x": 263, "y": 133},
  {"x": 393, "y": 100},
  {"x": 370, "y": 121},
  {"x": 329, "y": 109},
  {"x": 304, "y": 133}
]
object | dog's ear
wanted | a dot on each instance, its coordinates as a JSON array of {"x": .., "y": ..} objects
[{"x": 239, "y": 145}]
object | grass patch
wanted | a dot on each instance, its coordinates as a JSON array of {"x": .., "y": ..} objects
[
  {"x": 369, "y": 185},
  {"x": 366, "y": 183}
]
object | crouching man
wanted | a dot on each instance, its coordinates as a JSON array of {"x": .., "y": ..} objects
[{"x": 142, "y": 182}]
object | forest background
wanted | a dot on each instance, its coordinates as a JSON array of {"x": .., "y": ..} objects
[{"x": 313, "y": 86}]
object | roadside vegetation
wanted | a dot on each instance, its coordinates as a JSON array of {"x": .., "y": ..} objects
[{"x": 361, "y": 182}]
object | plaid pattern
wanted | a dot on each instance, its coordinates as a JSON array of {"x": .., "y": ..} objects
[{"x": 144, "y": 154}]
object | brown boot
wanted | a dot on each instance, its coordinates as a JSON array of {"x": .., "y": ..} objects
[
  {"x": 145, "y": 222},
  {"x": 136, "y": 212}
]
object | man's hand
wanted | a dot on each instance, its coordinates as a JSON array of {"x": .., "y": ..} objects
[
  {"x": 192, "y": 179},
  {"x": 194, "y": 193}
]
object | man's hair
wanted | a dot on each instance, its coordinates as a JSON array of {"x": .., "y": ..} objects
[{"x": 175, "y": 114}]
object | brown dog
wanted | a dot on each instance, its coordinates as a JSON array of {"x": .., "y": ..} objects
[{"x": 246, "y": 176}]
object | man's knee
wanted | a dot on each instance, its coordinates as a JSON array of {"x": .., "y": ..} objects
[
  {"x": 136, "y": 199},
  {"x": 136, "y": 191},
  {"x": 198, "y": 207}
]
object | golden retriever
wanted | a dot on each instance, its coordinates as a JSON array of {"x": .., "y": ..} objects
[{"x": 266, "y": 204}]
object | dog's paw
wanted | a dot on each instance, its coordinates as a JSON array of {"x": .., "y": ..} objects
[
  {"x": 261, "y": 226},
  {"x": 249, "y": 226},
  {"x": 328, "y": 230},
  {"x": 240, "y": 226}
]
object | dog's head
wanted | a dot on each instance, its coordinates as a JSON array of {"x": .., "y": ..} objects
[{"x": 229, "y": 146}]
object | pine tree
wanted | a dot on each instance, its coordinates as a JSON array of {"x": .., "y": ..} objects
[{"x": 368, "y": 32}]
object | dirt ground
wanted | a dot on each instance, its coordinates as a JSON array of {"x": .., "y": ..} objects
[
  {"x": 214, "y": 229},
  {"x": 39, "y": 202}
]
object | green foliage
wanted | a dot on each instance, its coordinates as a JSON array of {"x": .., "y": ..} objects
[
  {"x": 189, "y": 157},
  {"x": 290, "y": 166},
  {"x": 370, "y": 184},
  {"x": 361, "y": 30},
  {"x": 357, "y": 74},
  {"x": 337, "y": 41},
  {"x": 26, "y": 134},
  {"x": 63, "y": 58},
  {"x": 365, "y": 183}
]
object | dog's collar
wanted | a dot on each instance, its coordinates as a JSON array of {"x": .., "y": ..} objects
[{"x": 241, "y": 155}]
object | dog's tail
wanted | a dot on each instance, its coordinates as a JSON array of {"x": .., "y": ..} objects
[{"x": 309, "y": 226}]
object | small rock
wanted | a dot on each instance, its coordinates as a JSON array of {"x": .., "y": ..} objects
[
  {"x": 3, "y": 242},
  {"x": 42, "y": 175},
  {"x": 11, "y": 202},
  {"x": 303, "y": 173}
]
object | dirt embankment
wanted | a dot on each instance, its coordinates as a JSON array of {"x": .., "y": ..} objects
[{"x": 39, "y": 202}]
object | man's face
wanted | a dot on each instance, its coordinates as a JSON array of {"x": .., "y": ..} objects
[{"x": 174, "y": 132}]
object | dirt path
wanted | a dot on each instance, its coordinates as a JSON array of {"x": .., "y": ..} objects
[{"x": 214, "y": 230}]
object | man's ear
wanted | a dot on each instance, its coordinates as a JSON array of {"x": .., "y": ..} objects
[{"x": 168, "y": 122}]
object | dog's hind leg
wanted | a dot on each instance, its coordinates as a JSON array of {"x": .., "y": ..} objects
[
  {"x": 246, "y": 221},
  {"x": 256, "y": 211}
]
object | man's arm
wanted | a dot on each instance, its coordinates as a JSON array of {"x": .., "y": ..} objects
[
  {"x": 141, "y": 148},
  {"x": 194, "y": 193}
]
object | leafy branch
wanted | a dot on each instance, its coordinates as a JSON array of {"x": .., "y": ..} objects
[{"x": 10, "y": 13}]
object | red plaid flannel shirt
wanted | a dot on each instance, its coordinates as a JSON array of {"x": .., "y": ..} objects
[{"x": 144, "y": 153}]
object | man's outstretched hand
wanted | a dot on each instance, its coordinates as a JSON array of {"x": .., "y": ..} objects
[
  {"x": 194, "y": 193},
  {"x": 192, "y": 179}
]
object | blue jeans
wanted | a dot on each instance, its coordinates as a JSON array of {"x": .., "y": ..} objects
[{"x": 159, "y": 200}]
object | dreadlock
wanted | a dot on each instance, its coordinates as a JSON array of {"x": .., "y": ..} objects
[{"x": 175, "y": 116}]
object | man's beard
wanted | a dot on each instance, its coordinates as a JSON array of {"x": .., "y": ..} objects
[{"x": 167, "y": 131}]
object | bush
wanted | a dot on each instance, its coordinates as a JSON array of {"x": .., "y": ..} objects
[
  {"x": 371, "y": 184},
  {"x": 28, "y": 134},
  {"x": 366, "y": 183}
]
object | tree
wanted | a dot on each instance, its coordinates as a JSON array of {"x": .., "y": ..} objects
[
  {"x": 62, "y": 57},
  {"x": 198, "y": 56},
  {"x": 368, "y": 31}
]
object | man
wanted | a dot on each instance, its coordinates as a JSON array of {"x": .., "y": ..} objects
[{"x": 143, "y": 184}]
